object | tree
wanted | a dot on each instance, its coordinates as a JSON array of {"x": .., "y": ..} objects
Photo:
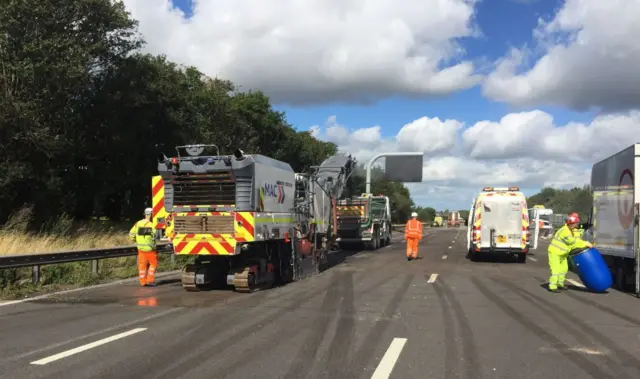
[{"x": 563, "y": 201}]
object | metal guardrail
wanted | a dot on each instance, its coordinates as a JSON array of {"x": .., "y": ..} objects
[{"x": 94, "y": 255}]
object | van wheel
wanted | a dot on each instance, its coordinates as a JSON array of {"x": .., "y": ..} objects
[{"x": 522, "y": 258}]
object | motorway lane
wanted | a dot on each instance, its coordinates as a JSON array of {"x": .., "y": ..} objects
[{"x": 475, "y": 320}]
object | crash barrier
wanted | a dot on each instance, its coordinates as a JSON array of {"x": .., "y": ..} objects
[
  {"x": 35, "y": 261},
  {"x": 592, "y": 269},
  {"x": 94, "y": 255}
]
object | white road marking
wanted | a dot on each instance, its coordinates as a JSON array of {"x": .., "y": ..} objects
[
  {"x": 449, "y": 247},
  {"x": 577, "y": 284},
  {"x": 389, "y": 359},
  {"x": 432, "y": 278},
  {"x": 454, "y": 241},
  {"x": 444, "y": 257},
  {"x": 82, "y": 348},
  {"x": 533, "y": 259}
]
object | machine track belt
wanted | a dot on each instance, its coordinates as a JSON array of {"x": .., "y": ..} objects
[
  {"x": 241, "y": 280},
  {"x": 188, "y": 278}
]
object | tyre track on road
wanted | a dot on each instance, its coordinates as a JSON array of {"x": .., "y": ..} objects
[
  {"x": 363, "y": 356},
  {"x": 577, "y": 358},
  {"x": 337, "y": 359},
  {"x": 582, "y": 333},
  {"x": 285, "y": 333},
  {"x": 599, "y": 306},
  {"x": 449, "y": 303},
  {"x": 308, "y": 353}
]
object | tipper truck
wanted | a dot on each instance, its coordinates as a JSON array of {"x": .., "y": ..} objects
[
  {"x": 249, "y": 220},
  {"x": 613, "y": 223},
  {"x": 364, "y": 220}
]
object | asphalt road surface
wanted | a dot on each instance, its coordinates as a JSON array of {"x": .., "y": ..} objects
[{"x": 375, "y": 315}]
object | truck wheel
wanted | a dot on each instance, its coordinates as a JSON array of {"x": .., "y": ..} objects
[{"x": 522, "y": 258}]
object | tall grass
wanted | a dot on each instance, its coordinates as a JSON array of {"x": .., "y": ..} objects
[{"x": 61, "y": 235}]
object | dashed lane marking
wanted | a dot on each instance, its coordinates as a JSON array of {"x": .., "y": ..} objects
[
  {"x": 389, "y": 359},
  {"x": 449, "y": 247},
  {"x": 575, "y": 283},
  {"x": 88, "y": 346},
  {"x": 432, "y": 278},
  {"x": 533, "y": 259},
  {"x": 444, "y": 257}
]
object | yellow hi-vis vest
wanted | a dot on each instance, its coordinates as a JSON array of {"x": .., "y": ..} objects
[
  {"x": 142, "y": 234},
  {"x": 564, "y": 241}
]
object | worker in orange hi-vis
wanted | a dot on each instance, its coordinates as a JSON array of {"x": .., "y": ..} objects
[
  {"x": 142, "y": 234},
  {"x": 413, "y": 234}
]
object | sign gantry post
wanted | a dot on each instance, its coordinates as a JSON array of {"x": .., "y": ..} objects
[{"x": 405, "y": 167}]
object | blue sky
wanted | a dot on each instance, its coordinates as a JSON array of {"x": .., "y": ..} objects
[{"x": 537, "y": 131}]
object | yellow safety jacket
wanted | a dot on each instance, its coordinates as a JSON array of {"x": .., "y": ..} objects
[
  {"x": 564, "y": 241},
  {"x": 142, "y": 234}
]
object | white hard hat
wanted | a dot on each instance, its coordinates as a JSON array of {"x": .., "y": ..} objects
[
  {"x": 148, "y": 211},
  {"x": 414, "y": 214}
]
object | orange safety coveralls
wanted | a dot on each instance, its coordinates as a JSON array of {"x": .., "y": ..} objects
[
  {"x": 413, "y": 234},
  {"x": 142, "y": 234}
]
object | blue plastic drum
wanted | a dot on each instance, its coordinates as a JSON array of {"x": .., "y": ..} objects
[{"x": 592, "y": 270}]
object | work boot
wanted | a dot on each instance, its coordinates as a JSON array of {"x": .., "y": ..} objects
[{"x": 409, "y": 259}]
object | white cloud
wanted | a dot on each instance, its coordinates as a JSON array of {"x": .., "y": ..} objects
[
  {"x": 591, "y": 59},
  {"x": 427, "y": 135},
  {"x": 534, "y": 135},
  {"x": 318, "y": 50},
  {"x": 521, "y": 149}
]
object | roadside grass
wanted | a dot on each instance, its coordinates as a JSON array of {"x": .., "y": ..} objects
[{"x": 64, "y": 234}]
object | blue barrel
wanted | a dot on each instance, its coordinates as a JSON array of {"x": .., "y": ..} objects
[{"x": 592, "y": 270}]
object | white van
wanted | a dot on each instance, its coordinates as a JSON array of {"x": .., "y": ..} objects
[{"x": 499, "y": 223}]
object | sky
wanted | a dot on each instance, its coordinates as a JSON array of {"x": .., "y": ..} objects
[{"x": 527, "y": 93}]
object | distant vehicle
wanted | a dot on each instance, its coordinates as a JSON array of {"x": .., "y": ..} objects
[
  {"x": 453, "y": 219},
  {"x": 438, "y": 221},
  {"x": 499, "y": 223},
  {"x": 613, "y": 223}
]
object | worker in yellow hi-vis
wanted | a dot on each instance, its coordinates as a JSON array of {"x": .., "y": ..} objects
[
  {"x": 562, "y": 243},
  {"x": 142, "y": 234}
]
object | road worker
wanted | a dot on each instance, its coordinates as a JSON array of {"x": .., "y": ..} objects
[
  {"x": 143, "y": 235},
  {"x": 564, "y": 240},
  {"x": 413, "y": 234}
]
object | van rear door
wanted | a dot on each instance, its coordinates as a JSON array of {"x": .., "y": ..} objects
[{"x": 503, "y": 214}]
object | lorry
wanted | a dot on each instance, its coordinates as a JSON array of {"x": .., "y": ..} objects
[
  {"x": 498, "y": 224},
  {"x": 613, "y": 223},
  {"x": 453, "y": 219},
  {"x": 365, "y": 219},
  {"x": 248, "y": 220},
  {"x": 438, "y": 221}
]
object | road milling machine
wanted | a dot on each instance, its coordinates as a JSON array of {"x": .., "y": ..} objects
[{"x": 250, "y": 221}]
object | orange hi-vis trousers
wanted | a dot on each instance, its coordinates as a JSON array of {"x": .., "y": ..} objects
[
  {"x": 147, "y": 258},
  {"x": 412, "y": 247},
  {"x": 413, "y": 234}
]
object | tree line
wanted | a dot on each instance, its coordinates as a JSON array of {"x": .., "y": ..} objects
[
  {"x": 84, "y": 114},
  {"x": 564, "y": 201}
]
